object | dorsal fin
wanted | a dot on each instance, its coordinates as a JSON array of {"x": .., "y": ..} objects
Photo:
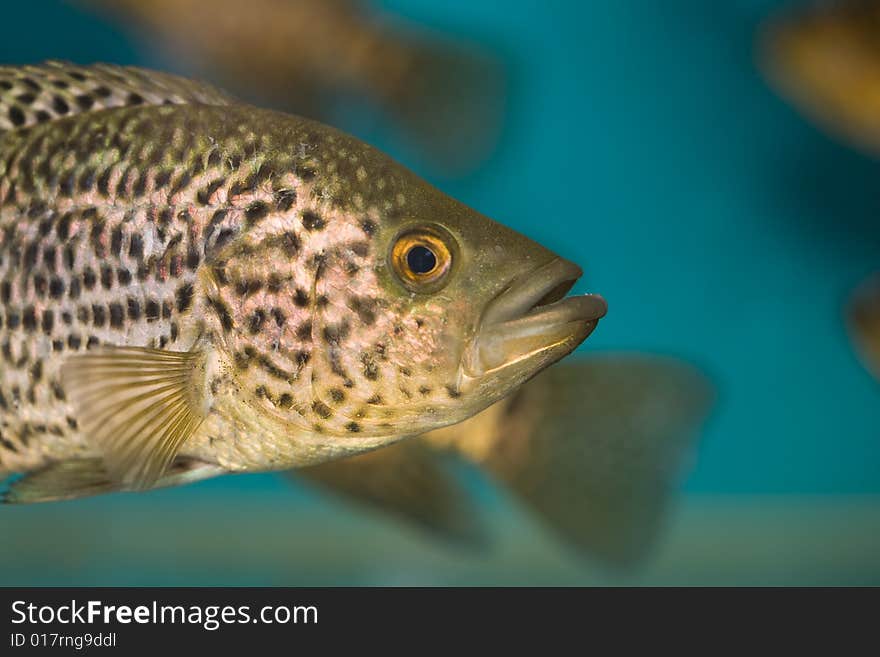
[{"x": 43, "y": 92}]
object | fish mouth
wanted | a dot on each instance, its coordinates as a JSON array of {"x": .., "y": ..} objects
[{"x": 533, "y": 319}]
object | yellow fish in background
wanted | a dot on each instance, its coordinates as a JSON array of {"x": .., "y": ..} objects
[
  {"x": 304, "y": 56},
  {"x": 593, "y": 447},
  {"x": 825, "y": 58}
]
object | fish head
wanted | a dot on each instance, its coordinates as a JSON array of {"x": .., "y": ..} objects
[
  {"x": 384, "y": 308},
  {"x": 482, "y": 309}
]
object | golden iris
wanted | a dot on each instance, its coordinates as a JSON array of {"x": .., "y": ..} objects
[{"x": 421, "y": 259}]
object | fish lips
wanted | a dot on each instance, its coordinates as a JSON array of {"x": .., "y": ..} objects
[{"x": 532, "y": 323}]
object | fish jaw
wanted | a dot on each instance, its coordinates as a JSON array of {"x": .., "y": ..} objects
[{"x": 532, "y": 324}]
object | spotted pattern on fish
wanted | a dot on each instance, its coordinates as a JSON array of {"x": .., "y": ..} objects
[
  {"x": 36, "y": 94},
  {"x": 253, "y": 251},
  {"x": 105, "y": 225}
]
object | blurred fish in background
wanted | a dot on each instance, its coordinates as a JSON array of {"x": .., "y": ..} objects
[
  {"x": 593, "y": 447},
  {"x": 310, "y": 57},
  {"x": 864, "y": 322},
  {"x": 825, "y": 58}
]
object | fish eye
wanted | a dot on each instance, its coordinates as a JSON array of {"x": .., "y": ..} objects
[{"x": 422, "y": 259}]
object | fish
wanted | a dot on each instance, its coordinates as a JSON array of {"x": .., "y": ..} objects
[
  {"x": 825, "y": 59},
  {"x": 193, "y": 286},
  {"x": 593, "y": 447},
  {"x": 310, "y": 57},
  {"x": 863, "y": 322}
]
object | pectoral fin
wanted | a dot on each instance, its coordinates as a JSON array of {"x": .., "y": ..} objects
[
  {"x": 592, "y": 446},
  {"x": 138, "y": 406},
  {"x": 409, "y": 480}
]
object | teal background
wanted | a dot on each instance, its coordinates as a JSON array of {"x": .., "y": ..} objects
[{"x": 641, "y": 142}]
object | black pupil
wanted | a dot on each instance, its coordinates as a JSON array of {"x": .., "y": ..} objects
[{"x": 421, "y": 260}]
